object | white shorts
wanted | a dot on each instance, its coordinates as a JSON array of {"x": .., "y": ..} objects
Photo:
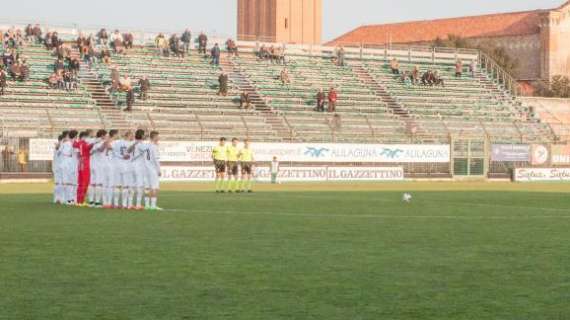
[
  {"x": 127, "y": 179},
  {"x": 152, "y": 180},
  {"x": 97, "y": 175},
  {"x": 58, "y": 176},
  {"x": 108, "y": 176},
  {"x": 140, "y": 177},
  {"x": 68, "y": 173}
]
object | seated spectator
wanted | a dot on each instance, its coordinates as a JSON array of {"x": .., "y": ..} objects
[
  {"x": 116, "y": 41},
  {"x": 37, "y": 33},
  {"x": 128, "y": 40},
  {"x": 426, "y": 78},
  {"x": 59, "y": 65},
  {"x": 333, "y": 97},
  {"x": 245, "y": 101},
  {"x": 223, "y": 83},
  {"x": 202, "y": 43},
  {"x": 144, "y": 85},
  {"x": 340, "y": 57},
  {"x": 271, "y": 54},
  {"x": 7, "y": 59},
  {"x": 458, "y": 69},
  {"x": 284, "y": 76},
  {"x": 262, "y": 54},
  {"x": 281, "y": 56},
  {"x": 395, "y": 66},
  {"x": 105, "y": 55},
  {"x": 102, "y": 37},
  {"x": 232, "y": 48},
  {"x": 3, "y": 81},
  {"x": 215, "y": 53},
  {"x": 186, "y": 40},
  {"x": 115, "y": 79},
  {"x": 67, "y": 80},
  {"x": 175, "y": 47},
  {"x": 28, "y": 32},
  {"x": 437, "y": 79},
  {"x": 125, "y": 84},
  {"x": 55, "y": 80},
  {"x": 320, "y": 101}
]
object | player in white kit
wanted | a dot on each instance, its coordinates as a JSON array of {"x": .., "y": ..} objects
[
  {"x": 98, "y": 162},
  {"x": 138, "y": 151},
  {"x": 58, "y": 191},
  {"x": 110, "y": 169},
  {"x": 68, "y": 168},
  {"x": 92, "y": 140},
  {"x": 123, "y": 174},
  {"x": 152, "y": 164}
]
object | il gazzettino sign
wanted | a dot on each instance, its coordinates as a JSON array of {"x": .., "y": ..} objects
[
  {"x": 290, "y": 174},
  {"x": 542, "y": 174}
]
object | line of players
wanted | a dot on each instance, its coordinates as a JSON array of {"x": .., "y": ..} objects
[
  {"x": 113, "y": 172},
  {"x": 229, "y": 158}
]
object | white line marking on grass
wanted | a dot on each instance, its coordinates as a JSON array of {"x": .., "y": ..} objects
[{"x": 365, "y": 216}]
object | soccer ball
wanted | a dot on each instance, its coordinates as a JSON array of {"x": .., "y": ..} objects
[{"x": 406, "y": 197}]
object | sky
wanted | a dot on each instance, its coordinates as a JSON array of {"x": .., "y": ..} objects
[{"x": 219, "y": 16}]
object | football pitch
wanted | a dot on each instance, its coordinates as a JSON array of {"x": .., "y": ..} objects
[{"x": 301, "y": 251}]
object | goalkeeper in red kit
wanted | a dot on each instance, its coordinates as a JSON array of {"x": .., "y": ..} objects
[{"x": 84, "y": 175}]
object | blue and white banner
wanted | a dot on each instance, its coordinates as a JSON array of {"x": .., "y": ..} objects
[
  {"x": 192, "y": 151},
  {"x": 312, "y": 152}
]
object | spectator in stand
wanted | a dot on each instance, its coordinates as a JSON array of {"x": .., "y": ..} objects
[
  {"x": 128, "y": 40},
  {"x": 340, "y": 57},
  {"x": 245, "y": 101},
  {"x": 144, "y": 85},
  {"x": 186, "y": 40},
  {"x": 29, "y": 32},
  {"x": 8, "y": 59},
  {"x": 175, "y": 47},
  {"x": 55, "y": 80},
  {"x": 223, "y": 83},
  {"x": 336, "y": 122},
  {"x": 3, "y": 81},
  {"x": 320, "y": 100},
  {"x": 406, "y": 78},
  {"x": 202, "y": 43},
  {"x": 415, "y": 75},
  {"x": 102, "y": 37},
  {"x": 438, "y": 80},
  {"x": 67, "y": 80},
  {"x": 105, "y": 55},
  {"x": 47, "y": 41},
  {"x": 285, "y": 79},
  {"x": 75, "y": 66},
  {"x": 59, "y": 65},
  {"x": 395, "y": 66},
  {"x": 262, "y": 54},
  {"x": 473, "y": 68},
  {"x": 117, "y": 42},
  {"x": 55, "y": 41},
  {"x": 281, "y": 56},
  {"x": 130, "y": 99},
  {"x": 232, "y": 48},
  {"x": 115, "y": 79},
  {"x": 426, "y": 78},
  {"x": 37, "y": 33},
  {"x": 333, "y": 97},
  {"x": 458, "y": 69},
  {"x": 271, "y": 53},
  {"x": 161, "y": 45},
  {"x": 215, "y": 53}
]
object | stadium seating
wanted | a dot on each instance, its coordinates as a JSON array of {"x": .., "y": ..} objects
[
  {"x": 184, "y": 103},
  {"x": 31, "y": 108},
  {"x": 373, "y": 106}
]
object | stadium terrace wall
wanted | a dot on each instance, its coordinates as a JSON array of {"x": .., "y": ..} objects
[{"x": 464, "y": 158}]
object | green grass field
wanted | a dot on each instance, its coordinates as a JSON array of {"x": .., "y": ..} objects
[{"x": 336, "y": 251}]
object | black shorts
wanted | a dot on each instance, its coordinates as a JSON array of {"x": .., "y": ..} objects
[
  {"x": 233, "y": 168},
  {"x": 246, "y": 167},
  {"x": 220, "y": 166}
]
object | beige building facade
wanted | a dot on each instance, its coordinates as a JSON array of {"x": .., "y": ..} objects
[{"x": 286, "y": 21}]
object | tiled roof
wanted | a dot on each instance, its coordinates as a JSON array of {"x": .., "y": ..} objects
[{"x": 493, "y": 25}]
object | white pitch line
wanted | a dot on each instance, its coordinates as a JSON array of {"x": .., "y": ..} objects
[{"x": 367, "y": 216}]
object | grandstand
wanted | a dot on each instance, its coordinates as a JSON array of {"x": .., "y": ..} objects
[{"x": 373, "y": 104}]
